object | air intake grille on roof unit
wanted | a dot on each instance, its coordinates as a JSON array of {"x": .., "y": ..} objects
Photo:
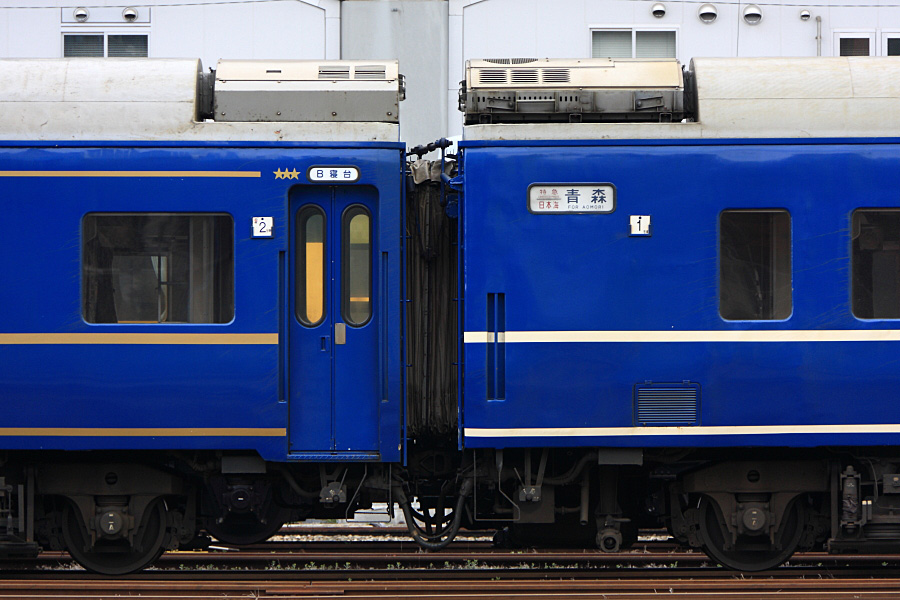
[
  {"x": 524, "y": 76},
  {"x": 510, "y": 61},
  {"x": 334, "y": 73},
  {"x": 555, "y": 75},
  {"x": 369, "y": 72},
  {"x": 673, "y": 404},
  {"x": 492, "y": 76}
]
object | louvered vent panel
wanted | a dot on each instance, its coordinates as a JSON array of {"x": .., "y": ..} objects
[
  {"x": 497, "y": 61},
  {"x": 667, "y": 404},
  {"x": 492, "y": 76},
  {"x": 369, "y": 72},
  {"x": 524, "y": 76},
  {"x": 521, "y": 61},
  {"x": 555, "y": 75},
  {"x": 334, "y": 72}
]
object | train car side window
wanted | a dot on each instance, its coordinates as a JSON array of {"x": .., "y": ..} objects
[
  {"x": 755, "y": 265},
  {"x": 310, "y": 256},
  {"x": 356, "y": 266},
  {"x": 157, "y": 268},
  {"x": 875, "y": 257}
]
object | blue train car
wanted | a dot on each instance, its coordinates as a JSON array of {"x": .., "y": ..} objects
[
  {"x": 641, "y": 296},
  {"x": 204, "y": 315},
  {"x": 688, "y": 282}
]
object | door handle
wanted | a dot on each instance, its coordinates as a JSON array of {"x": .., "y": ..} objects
[{"x": 340, "y": 333}]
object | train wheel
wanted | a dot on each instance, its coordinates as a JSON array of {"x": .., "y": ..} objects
[
  {"x": 242, "y": 529},
  {"x": 116, "y": 557},
  {"x": 749, "y": 553}
]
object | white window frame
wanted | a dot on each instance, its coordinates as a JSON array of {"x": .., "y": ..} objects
[
  {"x": 634, "y": 29},
  {"x": 145, "y": 31},
  {"x": 884, "y": 35},
  {"x": 839, "y": 34}
]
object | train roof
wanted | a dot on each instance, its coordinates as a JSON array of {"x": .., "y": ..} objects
[
  {"x": 94, "y": 99},
  {"x": 727, "y": 98}
]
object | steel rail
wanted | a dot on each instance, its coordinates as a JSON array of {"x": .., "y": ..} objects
[{"x": 507, "y": 589}]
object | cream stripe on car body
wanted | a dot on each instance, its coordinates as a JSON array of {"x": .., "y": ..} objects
[
  {"x": 779, "y": 335},
  {"x": 140, "y": 338},
  {"x": 143, "y": 431},
  {"x": 564, "y": 432},
  {"x": 130, "y": 174}
]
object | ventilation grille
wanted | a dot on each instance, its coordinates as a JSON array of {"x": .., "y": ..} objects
[
  {"x": 670, "y": 404},
  {"x": 555, "y": 75},
  {"x": 524, "y": 76},
  {"x": 334, "y": 72},
  {"x": 370, "y": 72},
  {"x": 510, "y": 61},
  {"x": 492, "y": 76}
]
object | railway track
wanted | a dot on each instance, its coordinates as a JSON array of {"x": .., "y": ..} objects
[
  {"x": 310, "y": 549},
  {"x": 760, "y": 587},
  {"x": 385, "y": 567}
]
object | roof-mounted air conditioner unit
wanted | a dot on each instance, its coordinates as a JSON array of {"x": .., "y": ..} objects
[
  {"x": 584, "y": 90},
  {"x": 308, "y": 90}
]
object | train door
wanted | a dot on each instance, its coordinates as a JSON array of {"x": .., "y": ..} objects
[{"x": 334, "y": 331}]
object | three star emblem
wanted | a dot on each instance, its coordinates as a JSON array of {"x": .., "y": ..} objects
[{"x": 279, "y": 174}]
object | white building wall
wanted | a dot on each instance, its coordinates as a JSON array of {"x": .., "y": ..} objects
[
  {"x": 205, "y": 29},
  {"x": 414, "y": 32}
]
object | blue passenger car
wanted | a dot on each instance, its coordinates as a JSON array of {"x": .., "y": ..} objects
[
  {"x": 683, "y": 288},
  {"x": 203, "y": 314}
]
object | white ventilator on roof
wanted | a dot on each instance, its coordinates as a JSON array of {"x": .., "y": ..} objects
[
  {"x": 753, "y": 98},
  {"x": 120, "y": 99}
]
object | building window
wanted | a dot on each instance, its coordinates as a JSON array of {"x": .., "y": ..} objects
[
  {"x": 854, "y": 46},
  {"x": 890, "y": 43},
  {"x": 631, "y": 43},
  {"x": 876, "y": 264},
  {"x": 755, "y": 265},
  {"x": 157, "y": 268},
  {"x": 102, "y": 44},
  {"x": 854, "y": 43}
]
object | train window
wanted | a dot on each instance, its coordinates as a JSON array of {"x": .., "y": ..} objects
[
  {"x": 310, "y": 256},
  {"x": 755, "y": 265},
  {"x": 157, "y": 268},
  {"x": 356, "y": 266},
  {"x": 875, "y": 236}
]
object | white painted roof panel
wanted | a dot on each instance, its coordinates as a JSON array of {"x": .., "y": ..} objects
[{"x": 817, "y": 97}]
